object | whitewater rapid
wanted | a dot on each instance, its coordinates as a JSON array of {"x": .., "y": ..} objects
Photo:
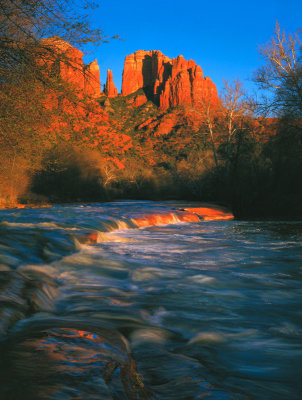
[{"x": 146, "y": 300}]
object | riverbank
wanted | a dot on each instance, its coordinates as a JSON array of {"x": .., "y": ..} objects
[{"x": 20, "y": 206}]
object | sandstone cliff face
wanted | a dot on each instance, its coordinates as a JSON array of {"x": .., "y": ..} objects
[
  {"x": 92, "y": 83},
  {"x": 167, "y": 82},
  {"x": 144, "y": 69},
  {"x": 70, "y": 67},
  {"x": 110, "y": 89},
  {"x": 113, "y": 125}
]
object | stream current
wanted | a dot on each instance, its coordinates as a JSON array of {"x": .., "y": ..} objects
[{"x": 203, "y": 310}]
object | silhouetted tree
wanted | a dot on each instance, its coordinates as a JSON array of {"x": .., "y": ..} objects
[
  {"x": 233, "y": 107},
  {"x": 281, "y": 74},
  {"x": 207, "y": 108}
]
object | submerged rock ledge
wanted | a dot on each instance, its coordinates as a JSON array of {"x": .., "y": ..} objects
[{"x": 189, "y": 214}]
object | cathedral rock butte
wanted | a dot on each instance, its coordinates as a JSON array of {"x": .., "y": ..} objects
[
  {"x": 168, "y": 82},
  {"x": 171, "y": 95}
]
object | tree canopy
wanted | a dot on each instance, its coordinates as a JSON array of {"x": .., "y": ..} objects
[
  {"x": 23, "y": 23},
  {"x": 26, "y": 83}
]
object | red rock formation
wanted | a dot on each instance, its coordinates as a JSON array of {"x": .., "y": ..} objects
[
  {"x": 187, "y": 86},
  {"x": 70, "y": 66},
  {"x": 138, "y": 100},
  {"x": 92, "y": 83},
  {"x": 110, "y": 89},
  {"x": 176, "y": 120},
  {"x": 144, "y": 69},
  {"x": 168, "y": 82}
]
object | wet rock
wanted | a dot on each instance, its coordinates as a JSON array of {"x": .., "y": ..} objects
[
  {"x": 22, "y": 294},
  {"x": 69, "y": 362},
  {"x": 211, "y": 213}
]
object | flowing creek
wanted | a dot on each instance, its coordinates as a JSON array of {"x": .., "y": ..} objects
[{"x": 106, "y": 301}]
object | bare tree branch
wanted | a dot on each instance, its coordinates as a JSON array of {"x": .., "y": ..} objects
[{"x": 281, "y": 75}]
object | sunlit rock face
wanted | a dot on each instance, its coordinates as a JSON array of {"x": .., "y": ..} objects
[
  {"x": 145, "y": 69},
  {"x": 137, "y": 101},
  {"x": 110, "y": 89},
  {"x": 211, "y": 213},
  {"x": 70, "y": 67},
  {"x": 92, "y": 83},
  {"x": 168, "y": 82},
  {"x": 152, "y": 82}
]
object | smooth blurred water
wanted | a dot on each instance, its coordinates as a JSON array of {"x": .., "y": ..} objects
[{"x": 186, "y": 311}]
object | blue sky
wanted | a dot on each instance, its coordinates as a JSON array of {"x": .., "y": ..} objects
[{"x": 221, "y": 36}]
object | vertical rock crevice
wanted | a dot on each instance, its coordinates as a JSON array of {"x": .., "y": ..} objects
[{"x": 167, "y": 82}]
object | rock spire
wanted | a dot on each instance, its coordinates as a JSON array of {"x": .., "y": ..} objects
[{"x": 110, "y": 89}]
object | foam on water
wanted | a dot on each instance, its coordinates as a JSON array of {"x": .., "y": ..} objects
[
  {"x": 207, "y": 309},
  {"x": 29, "y": 225},
  {"x": 202, "y": 279},
  {"x": 152, "y": 335}
]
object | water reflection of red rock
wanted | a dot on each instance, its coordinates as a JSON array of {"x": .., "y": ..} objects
[
  {"x": 65, "y": 347},
  {"x": 53, "y": 363}
]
